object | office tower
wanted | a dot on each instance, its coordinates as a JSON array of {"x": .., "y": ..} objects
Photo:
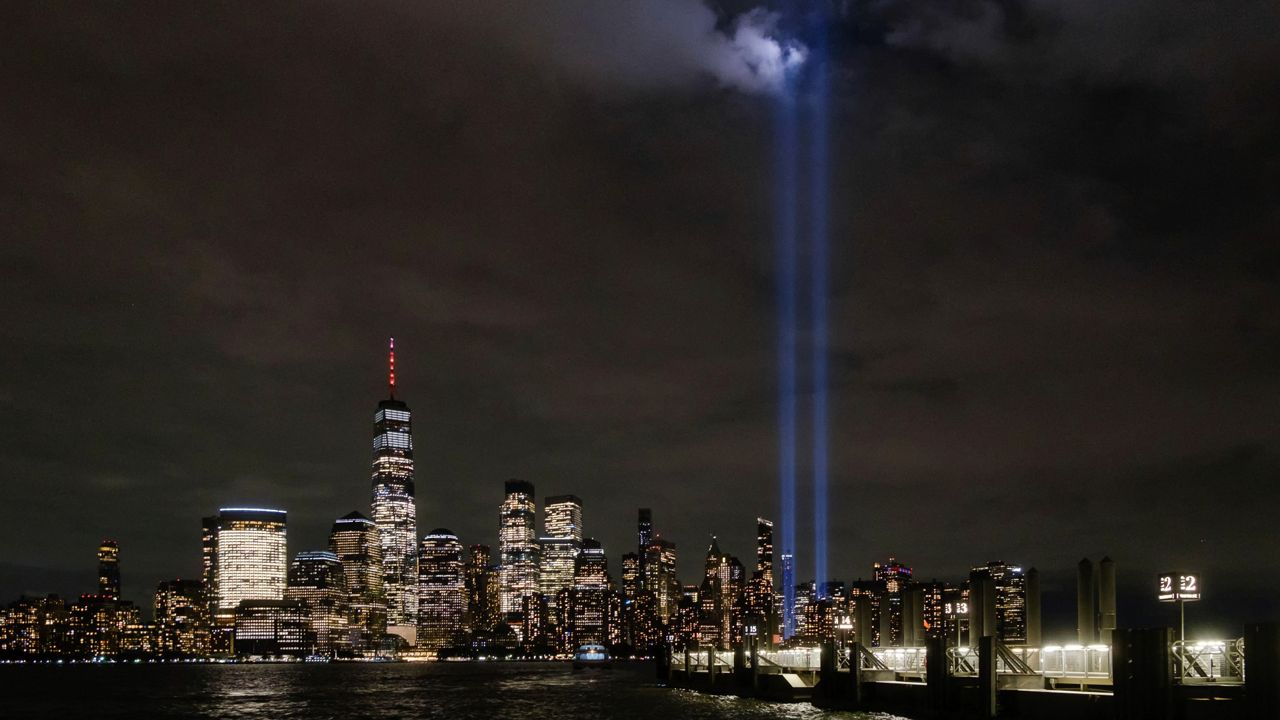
[
  {"x": 644, "y": 531},
  {"x": 1007, "y": 604},
  {"x": 805, "y": 611},
  {"x": 182, "y": 621},
  {"x": 631, "y": 580},
  {"x": 442, "y": 597},
  {"x": 894, "y": 577},
  {"x": 273, "y": 628},
  {"x": 482, "y": 589},
  {"x": 563, "y": 517},
  {"x": 245, "y": 558},
  {"x": 893, "y": 574},
  {"x": 318, "y": 581},
  {"x": 764, "y": 549},
  {"x": 724, "y": 580},
  {"x": 559, "y": 546},
  {"x": 536, "y": 624},
  {"x": 589, "y": 606},
  {"x": 354, "y": 540},
  {"x": 517, "y": 545},
  {"x": 109, "y": 569},
  {"x": 933, "y": 612},
  {"x": 788, "y": 595},
  {"x": 658, "y": 570},
  {"x": 395, "y": 511}
]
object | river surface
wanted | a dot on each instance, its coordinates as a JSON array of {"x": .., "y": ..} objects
[{"x": 493, "y": 690}]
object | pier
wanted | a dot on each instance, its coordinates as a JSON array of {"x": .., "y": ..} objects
[{"x": 1143, "y": 675}]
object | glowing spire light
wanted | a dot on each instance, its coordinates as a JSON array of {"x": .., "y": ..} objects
[{"x": 391, "y": 365}]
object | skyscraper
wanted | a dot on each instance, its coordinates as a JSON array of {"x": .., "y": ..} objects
[
  {"x": 789, "y": 624},
  {"x": 318, "y": 581},
  {"x": 245, "y": 558},
  {"x": 644, "y": 530},
  {"x": 517, "y": 545},
  {"x": 1010, "y": 600},
  {"x": 482, "y": 589},
  {"x": 109, "y": 569},
  {"x": 894, "y": 577},
  {"x": 561, "y": 541},
  {"x": 441, "y": 590},
  {"x": 658, "y": 572},
  {"x": 395, "y": 511},
  {"x": 354, "y": 540},
  {"x": 563, "y": 515},
  {"x": 764, "y": 549},
  {"x": 590, "y": 619}
]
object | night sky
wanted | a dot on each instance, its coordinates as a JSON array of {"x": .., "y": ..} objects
[{"x": 1055, "y": 278}]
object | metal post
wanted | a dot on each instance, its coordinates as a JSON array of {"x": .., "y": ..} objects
[
  {"x": 1262, "y": 671},
  {"x": 855, "y": 673},
  {"x": 987, "y": 675},
  {"x": 935, "y": 663},
  {"x": 755, "y": 664}
]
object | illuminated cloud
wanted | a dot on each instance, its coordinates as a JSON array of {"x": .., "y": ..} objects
[{"x": 621, "y": 46}]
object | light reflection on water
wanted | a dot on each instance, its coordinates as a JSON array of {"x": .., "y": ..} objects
[{"x": 484, "y": 691}]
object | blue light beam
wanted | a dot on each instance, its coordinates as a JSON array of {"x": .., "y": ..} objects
[
  {"x": 818, "y": 251},
  {"x": 786, "y": 215}
]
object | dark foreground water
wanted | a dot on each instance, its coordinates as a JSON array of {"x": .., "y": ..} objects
[{"x": 528, "y": 691}]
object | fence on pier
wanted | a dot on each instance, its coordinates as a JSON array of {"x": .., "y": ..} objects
[{"x": 1193, "y": 662}]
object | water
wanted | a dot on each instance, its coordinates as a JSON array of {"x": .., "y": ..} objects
[{"x": 491, "y": 691}]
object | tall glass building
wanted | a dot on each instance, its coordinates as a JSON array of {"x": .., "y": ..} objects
[
  {"x": 245, "y": 558},
  {"x": 395, "y": 511},
  {"x": 482, "y": 589},
  {"x": 317, "y": 580},
  {"x": 354, "y": 540},
  {"x": 109, "y": 569},
  {"x": 561, "y": 541},
  {"x": 563, "y": 517},
  {"x": 517, "y": 546},
  {"x": 589, "y": 616},
  {"x": 442, "y": 600},
  {"x": 658, "y": 570}
]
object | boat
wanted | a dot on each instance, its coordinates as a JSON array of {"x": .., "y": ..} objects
[{"x": 592, "y": 655}]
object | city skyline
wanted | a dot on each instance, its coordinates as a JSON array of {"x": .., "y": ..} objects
[{"x": 1050, "y": 271}]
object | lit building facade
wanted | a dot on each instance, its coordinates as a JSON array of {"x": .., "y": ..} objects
[
  {"x": 481, "y": 578},
  {"x": 353, "y": 539},
  {"x": 559, "y": 546},
  {"x": 1010, "y": 585},
  {"x": 789, "y": 621},
  {"x": 273, "y": 628},
  {"x": 764, "y": 549},
  {"x": 318, "y": 581},
  {"x": 563, "y": 517},
  {"x": 182, "y": 620},
  {"x": 517, "y": 546},
  {"x": 442, "y": 600},
  {"x": 894, "y": 577},
  {"x": 395, "y": 509},
  {"x": 658, "y": 570},
  {"x": 109, "y": 569},
  {"x": 591, "y": 615},
  {"x": 34, "y": 628},
  {"x": 245, "y": 558}
]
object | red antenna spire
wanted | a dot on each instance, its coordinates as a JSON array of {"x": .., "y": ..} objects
[{"x": 391, "y": 365}]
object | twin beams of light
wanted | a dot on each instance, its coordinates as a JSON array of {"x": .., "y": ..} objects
[{"x": 812, "y": 98}]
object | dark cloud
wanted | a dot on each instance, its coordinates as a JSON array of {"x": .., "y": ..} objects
[{"x": 1054, "y": 264}]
